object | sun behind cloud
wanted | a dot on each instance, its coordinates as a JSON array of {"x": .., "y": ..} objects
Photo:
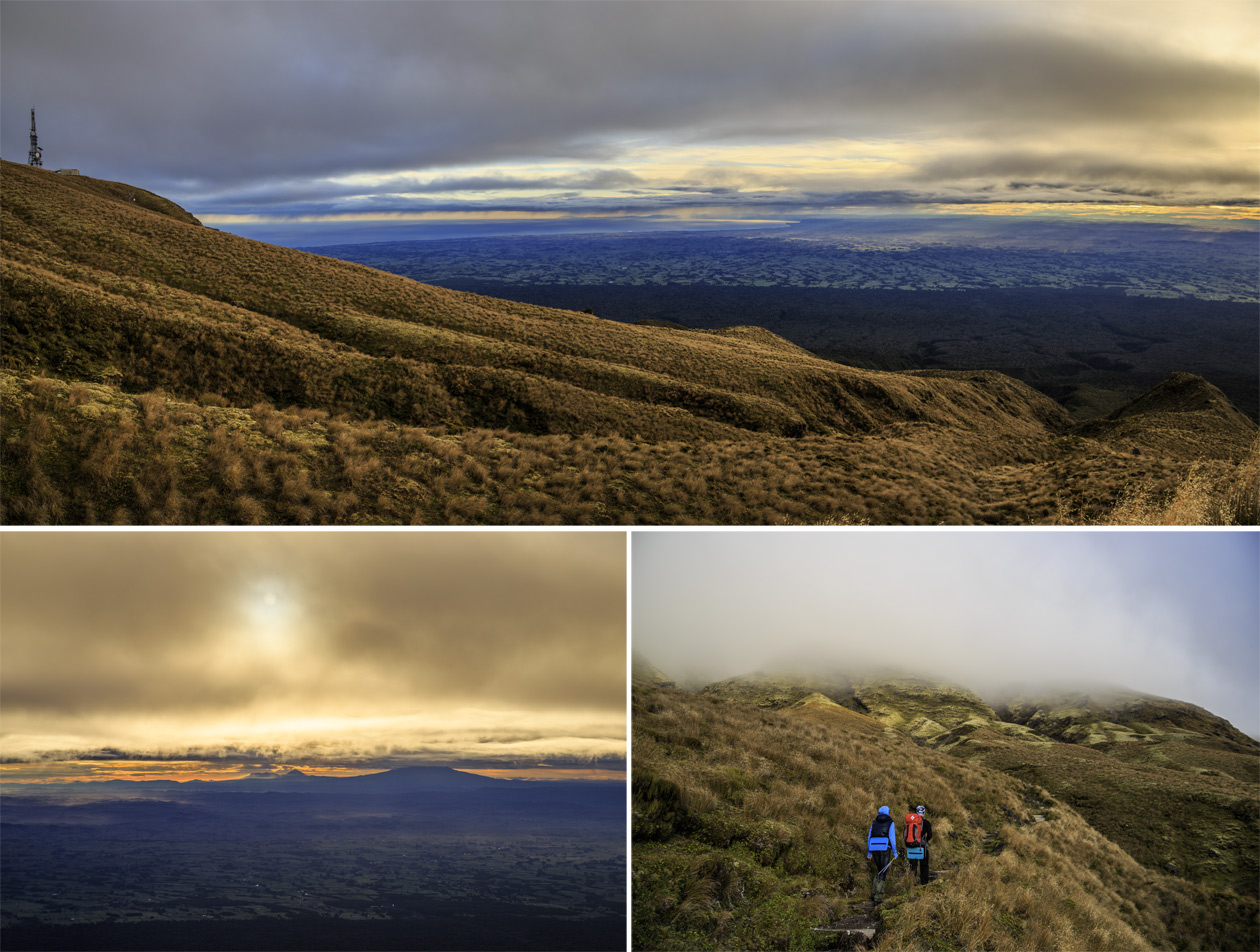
[
  {"x": 274, "y": 620},
  {"x": 496, "y": 650}
]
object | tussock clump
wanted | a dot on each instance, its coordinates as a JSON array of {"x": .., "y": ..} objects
[{"x": 1208, "y": 494}]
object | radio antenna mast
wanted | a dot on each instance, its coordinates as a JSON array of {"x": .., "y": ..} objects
[{"x": 34, "y": 157}]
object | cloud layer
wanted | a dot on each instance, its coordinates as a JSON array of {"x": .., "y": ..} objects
[
  {"x": 322, "y": 108},
  {"x": 1171, "y": 614},
  {"x": 508, "y": 647}
]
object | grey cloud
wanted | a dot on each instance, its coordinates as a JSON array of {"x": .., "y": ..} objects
[
  {"x": 326, "y": 196},
  {"x": 1025, "y": 77},
  {"x": 180, "y": 97},
  {"x": 703, "y": 189},
  {"x": 1078, "y": 169},
  {"x": 866, "y": 197},
  {"x": 114, "y": 683},
  {"x": 592, "y": 178},
  {"x": 521, "y": 620}
]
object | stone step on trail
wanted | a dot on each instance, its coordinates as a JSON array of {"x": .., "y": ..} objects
[{"x": 861, "y": 929}]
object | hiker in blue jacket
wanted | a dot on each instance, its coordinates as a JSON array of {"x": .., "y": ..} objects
[{"x": 881, "y": 850}]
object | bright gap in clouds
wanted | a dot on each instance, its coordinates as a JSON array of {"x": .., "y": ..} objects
[{"x": 274, "y": 619}]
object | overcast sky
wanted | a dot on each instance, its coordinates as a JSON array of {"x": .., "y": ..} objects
[
  {"x": 250, "y": 112},
  {"x": 360, "y": 648},
  {"x": 1176, "y": 614}
]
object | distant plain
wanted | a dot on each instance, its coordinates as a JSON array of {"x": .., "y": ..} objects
[
  {"x": 1090, "y": 313},
  {"x": 516, "y": 865}
]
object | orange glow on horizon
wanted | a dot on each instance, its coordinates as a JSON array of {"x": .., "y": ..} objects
[{"x": 179, "y": 770}]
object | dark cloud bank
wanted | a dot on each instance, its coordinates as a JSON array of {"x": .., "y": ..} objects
[{"x": 232, "y": 105}]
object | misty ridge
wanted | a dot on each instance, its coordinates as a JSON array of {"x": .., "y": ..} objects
[
  {"x": 1166, "y": 614},
  {"x": 1016, "y": 697},
  {"x": 983, "y": 674}
]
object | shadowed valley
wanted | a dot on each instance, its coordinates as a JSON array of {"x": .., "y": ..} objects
[{"x": 1092, "y": 314}]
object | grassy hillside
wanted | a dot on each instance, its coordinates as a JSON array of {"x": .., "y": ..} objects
[
  {"x": 1171, "y": 783},
  {"x": 157, "y": 371},
  {"x": 1175, "y": 785},
  {"x": 749, "y": 826}
]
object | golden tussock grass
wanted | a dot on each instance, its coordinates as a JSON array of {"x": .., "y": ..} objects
[{"x": 1216, "y": 496}]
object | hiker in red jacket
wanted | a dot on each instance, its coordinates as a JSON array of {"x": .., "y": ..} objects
[{"x": 918, "y": 834}]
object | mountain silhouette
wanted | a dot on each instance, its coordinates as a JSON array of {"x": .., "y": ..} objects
[{"x": 396, "y": 780}]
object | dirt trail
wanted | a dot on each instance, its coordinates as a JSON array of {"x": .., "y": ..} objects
[{"x": 858, "y": 931}]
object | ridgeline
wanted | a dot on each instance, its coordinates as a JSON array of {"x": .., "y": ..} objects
[{"x": 156, "y": 371}]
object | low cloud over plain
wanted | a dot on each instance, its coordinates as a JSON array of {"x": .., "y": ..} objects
[
  {"x": 270, "y": 109},
  {"x": 1173, "y": 614},
  {"x": 476, "y": 649}
]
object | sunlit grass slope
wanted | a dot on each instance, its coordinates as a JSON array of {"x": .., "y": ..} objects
[
  {"x": 157, "y": 371},
  {"x": 749, "y": 826}
]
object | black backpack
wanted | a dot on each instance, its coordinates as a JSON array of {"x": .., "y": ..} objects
[{"x": 878, "y": 839}]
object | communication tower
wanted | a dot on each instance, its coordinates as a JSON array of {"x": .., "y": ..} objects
[{"x": 34, "y": 157}]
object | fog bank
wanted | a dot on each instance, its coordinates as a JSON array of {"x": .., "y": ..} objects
[{"x": 1174, "y": 614}]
